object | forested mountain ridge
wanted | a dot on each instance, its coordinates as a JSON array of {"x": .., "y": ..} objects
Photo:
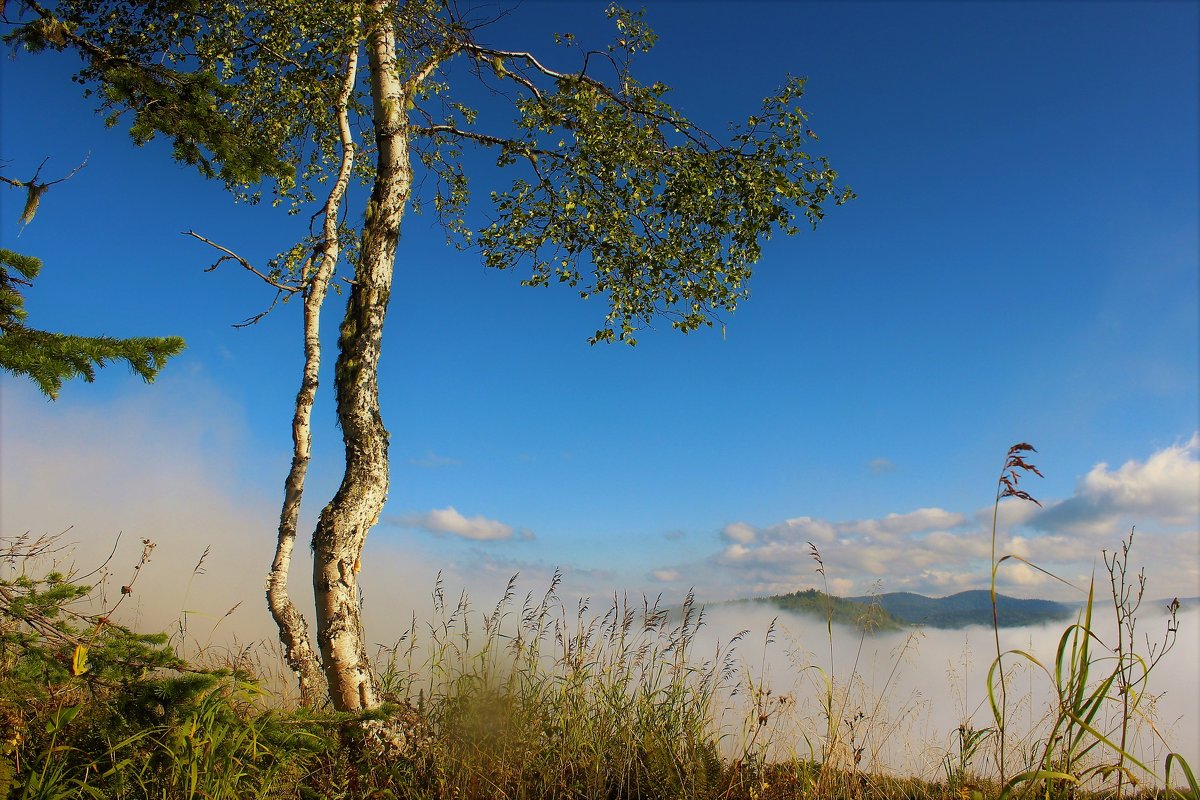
[
  {"x": 844, "y": 611},
  {"x": 896, "y": 610},
  {"x": 969, "y": 608}
]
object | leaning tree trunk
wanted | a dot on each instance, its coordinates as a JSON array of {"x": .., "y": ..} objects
[
  {"x": 344, "y": 523},
  {"x": 293, "y": 629}
]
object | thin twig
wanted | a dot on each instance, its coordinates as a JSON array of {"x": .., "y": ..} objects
[
  {"x": 103, "y": 563},
  {"x": 230, "y": 255}
]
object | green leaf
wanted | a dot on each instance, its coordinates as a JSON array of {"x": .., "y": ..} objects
[{"x": 61, "y": 718}]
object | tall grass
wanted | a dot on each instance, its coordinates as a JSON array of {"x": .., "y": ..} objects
[
  {"x": 1099, "y": 687},
  {"x": 1100, "y": 690},
  {"x": 1007, "y": 486},
  {"x": 541, "y": 701}
]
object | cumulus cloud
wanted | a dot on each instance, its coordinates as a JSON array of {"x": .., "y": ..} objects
[
  {"x": 790, "y": 531},
  {"x": 665, "y": 575},
  {"x": 1165, "y": 488},
  {"x": 937, "y": 551},
  {"x": 448, "y": 520},
  {"x": 739, "y": 532},
  {"x": 896, "y": 525},
  {"x": 783, "y": 554}
]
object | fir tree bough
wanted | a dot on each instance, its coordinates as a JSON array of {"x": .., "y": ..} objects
[{"x": 49, "y": 358}]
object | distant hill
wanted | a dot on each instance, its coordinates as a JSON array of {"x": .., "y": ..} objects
[
  {"x": 896, "y": 610},
  {"x": 968, "y": 608},
  {"x": 861, "y": 613}
]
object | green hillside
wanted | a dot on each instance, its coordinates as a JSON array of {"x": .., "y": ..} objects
[
  {"x": 896, "y": 610},
  {"x": 970, "y": 608},
  {"x": 861, "y": 613}
]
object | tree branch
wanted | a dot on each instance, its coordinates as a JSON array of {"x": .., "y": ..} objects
[
  {"x": 232, "y": 256},
  {"x": 246, "y": 323},
  {"x": 35, "y": 190},
  {"x": 33, "y": 182},
  {"x": 91, "y": 48},
  {"x": 531, "y": 59},
  {"x": 698, "y": 136},
  {"x": 522, "y": 148},
  {"x": 428, "y": 68}
]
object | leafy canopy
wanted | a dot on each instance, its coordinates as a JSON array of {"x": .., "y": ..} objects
[{"x": 615, "y": 192}]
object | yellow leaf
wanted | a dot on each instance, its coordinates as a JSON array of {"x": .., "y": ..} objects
[{"x": 79, "y": 664}]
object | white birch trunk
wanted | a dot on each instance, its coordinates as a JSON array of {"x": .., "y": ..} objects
[
  {"x": 344, "y": 523},
  {"x": 293, "y": 628}
]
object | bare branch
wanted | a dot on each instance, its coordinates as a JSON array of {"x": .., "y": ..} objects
[
  {"x": 70, "y": 174},
  {"x": 230, "y": 255},
  {"x": 246, "y": 323},
  {"x": 103, "y": 563}
]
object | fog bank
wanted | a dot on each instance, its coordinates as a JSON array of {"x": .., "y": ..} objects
[{"x": 913, "y": 689}]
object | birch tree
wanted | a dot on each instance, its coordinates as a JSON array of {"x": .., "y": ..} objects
[{"x": 614, "y": 193}]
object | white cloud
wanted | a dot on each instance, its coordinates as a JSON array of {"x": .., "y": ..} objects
[
  {"x": 946, "y": 582},
  {"x": 1020, "y": 574},
  {"x": 841, "y": 586},
  {"x": 956, "y": 546},
  {"x": 781, "y": 556},
  {"x": 878, "y": 466},
  {"x": 449, "y": 520},
  {"x": 739, "y": 532},
  {"x": 894, "y": 525},
  {"x": 1166, "y": 486},
  {"x": 665, "y": 575},
  {"x": 736, "y": 552},
  {"x": 804, "y": 529},
  {"x": 1164, "y": 489}
]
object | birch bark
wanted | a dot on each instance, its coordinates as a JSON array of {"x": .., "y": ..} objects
[
  {"x": 293, "y": 628},
  {"x": 344, "y": 523}
]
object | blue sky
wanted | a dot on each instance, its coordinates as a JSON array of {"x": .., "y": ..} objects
[{"x": 1021, "y": 264}]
